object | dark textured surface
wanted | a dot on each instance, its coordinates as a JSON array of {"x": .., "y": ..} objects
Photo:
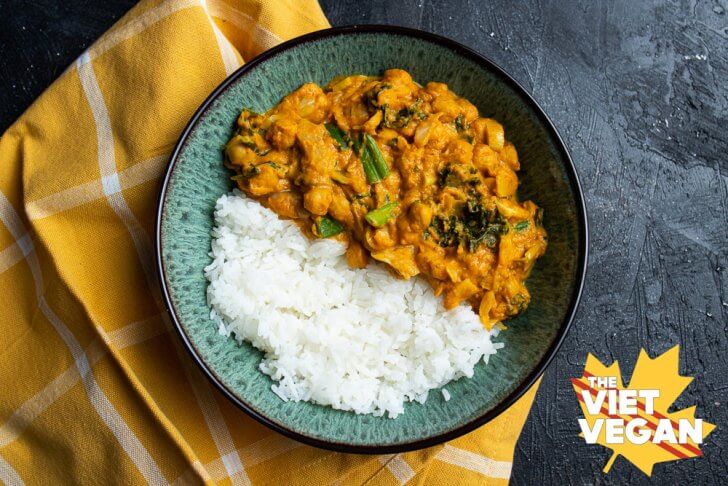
[{"x": 638, "y": 91}]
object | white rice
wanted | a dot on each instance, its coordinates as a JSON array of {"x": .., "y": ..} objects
[{"x": 357, "y": 340}]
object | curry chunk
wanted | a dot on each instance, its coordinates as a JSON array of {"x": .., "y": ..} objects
[
  {"x": 286, "y": 204},
  {"x": 282, "y": 133},
  {"x": 409, "y": 175},
  {"x": 318, "y": 199},
  {"x": 401, "y": 259},
  {"x": 318, "y": 153},
  {"x": 356, "y": 255}
]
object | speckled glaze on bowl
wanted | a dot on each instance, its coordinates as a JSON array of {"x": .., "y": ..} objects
[{"x": 196, "y": 178}]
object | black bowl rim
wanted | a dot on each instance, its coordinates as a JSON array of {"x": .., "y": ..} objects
[{"x": 525, "y": 384}]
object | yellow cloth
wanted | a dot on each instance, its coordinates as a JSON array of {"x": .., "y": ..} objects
[{"x": 94, "y": 387}]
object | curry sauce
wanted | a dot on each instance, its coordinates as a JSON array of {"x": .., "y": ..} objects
[{"x": 407, "y": 175}]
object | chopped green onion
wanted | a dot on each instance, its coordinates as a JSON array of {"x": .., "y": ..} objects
[
  {"x": 327, "y": 227},
  {"x": 521, "y": 225},
  {"x": 369, "y": 168},
  {"x": 372, "y": 160},
  {"x": 356, "y": 145},
  {"x": 338, "y": 135},
  {"x": 379, "y": 217},
  {"x": 376, "y": 155}
]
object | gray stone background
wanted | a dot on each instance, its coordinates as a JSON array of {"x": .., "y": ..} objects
[{"x": 638, "y": 91}]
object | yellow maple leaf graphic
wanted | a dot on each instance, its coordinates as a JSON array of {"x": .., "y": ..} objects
[{"x": 659, "y": 374}]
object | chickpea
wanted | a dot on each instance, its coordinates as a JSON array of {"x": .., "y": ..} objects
[
  {"x": 282, "y": 134},
  {"x": 356, "y": 255},
  {"x": 485, "y": 159},
  {"x": 318, "y": 199},
  {"x": 383, "y": 238},
  {"x": 494, "y": 134},
  {"x": 379, "y": 238},
  {"x": 510, "y": 156},
  {"x": 421, "y": 213},
  {"x": 287, "y": 204},
  {"x": 266, "y": 182},
  {"x": 506, "y": 182},
  {"x": 340, "y": 208},
  {"x": 237, "y": 153}
]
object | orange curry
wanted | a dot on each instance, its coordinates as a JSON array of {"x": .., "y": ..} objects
[{"x": 408, "y": 175}]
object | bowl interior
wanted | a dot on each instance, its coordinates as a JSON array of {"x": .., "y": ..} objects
[{"x": 198, "y": 178}]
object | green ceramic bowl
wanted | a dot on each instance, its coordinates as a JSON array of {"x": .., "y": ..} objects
[{"x": 196, "y": 178}]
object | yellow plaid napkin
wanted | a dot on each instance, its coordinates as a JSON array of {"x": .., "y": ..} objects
[{"x": 95, "y": 389}]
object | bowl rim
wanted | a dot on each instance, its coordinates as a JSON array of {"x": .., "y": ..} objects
[{"x": 573, "y": 179}]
